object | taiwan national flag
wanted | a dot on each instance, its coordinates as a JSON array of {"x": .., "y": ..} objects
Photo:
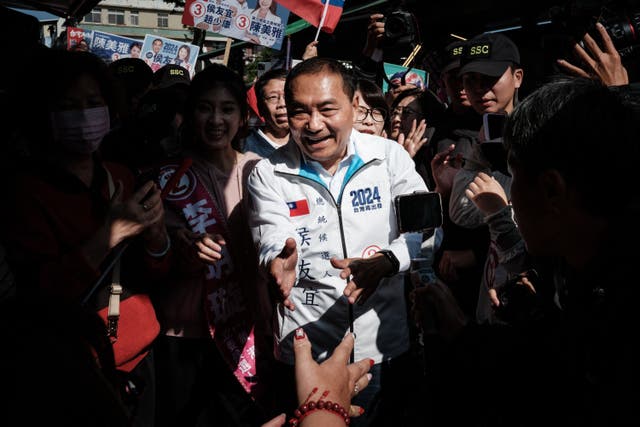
[
  {"x": 311, "y": 11},
  {"x": 298, "y": 208}
]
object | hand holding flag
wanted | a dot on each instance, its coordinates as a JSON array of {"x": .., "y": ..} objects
[{"x": 323, "y": 14}]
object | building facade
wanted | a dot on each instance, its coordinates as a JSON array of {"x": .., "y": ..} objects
[{"x": 136, "y": 18}]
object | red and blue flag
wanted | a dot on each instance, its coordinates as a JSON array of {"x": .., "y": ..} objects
[
  {"x": 311, "y": 11},
  {"x": 298, "y": 208}
]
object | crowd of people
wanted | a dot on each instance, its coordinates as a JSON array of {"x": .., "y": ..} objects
[{"x": 178, "y": 267}]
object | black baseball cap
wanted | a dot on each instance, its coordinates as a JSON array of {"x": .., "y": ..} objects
[
  {"x": 169, "y": 75},
  {"x": 134, "y": 73},
  {"x": 452, "y": 54},
  {"x": 490, "y": 54}
]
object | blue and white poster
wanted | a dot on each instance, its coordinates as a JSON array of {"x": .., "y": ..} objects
[
  {"x": 262, "y": 22},
  {"x": 111, "y": 47},
  {"x": 158, "y": 51}
]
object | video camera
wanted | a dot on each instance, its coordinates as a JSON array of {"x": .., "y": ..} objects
[{"x": 621, "y": 19}]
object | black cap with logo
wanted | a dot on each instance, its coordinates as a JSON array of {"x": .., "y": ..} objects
[
  {"x": 452, "y": 54},
  {"x": 169, "y": 75},
  {"x": 134, "y": 73},
  {"x": 490, "y": 54}
]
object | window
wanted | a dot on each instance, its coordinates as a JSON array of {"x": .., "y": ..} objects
[
  {"x": 133, "y": 17},
  {"x": 163, "y": 20},
  {"x": 94, "y": 16},
  {"x": 115, "y": 17}
]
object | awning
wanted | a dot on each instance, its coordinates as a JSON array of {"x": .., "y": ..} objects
[
  {"x": 63, "y": 8},
  {"x": 42, "y": 17}
]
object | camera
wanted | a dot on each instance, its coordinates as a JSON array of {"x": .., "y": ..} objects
[
  {"x": 518, "y": 302},
  {"x": 621, "y": 21},
  {"x": 400, "y": 28},
  {"x": 624, "y": 31}
]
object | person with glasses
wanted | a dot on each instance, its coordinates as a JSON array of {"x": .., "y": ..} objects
[
  {"x": 408, "y": 122},
  {"x": 269, "y": 89},
  {"x": 372, "y": 112}
]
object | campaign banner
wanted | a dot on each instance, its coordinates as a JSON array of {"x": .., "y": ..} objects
[
  {"x": 394, "y": 74},
  {"x": 158, "y": 51},
  {"x": 79, "y": 39},
  {"x": 261, "y": 22},
  {"x": 111, "y": 47}
]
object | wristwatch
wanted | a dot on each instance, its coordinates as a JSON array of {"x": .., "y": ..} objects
[{"x": 395, "y": 264}]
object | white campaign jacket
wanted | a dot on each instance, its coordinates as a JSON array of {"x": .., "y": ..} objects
[{"x": 290, "y": 200}]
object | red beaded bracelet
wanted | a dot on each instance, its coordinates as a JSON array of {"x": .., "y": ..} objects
[{"x": 320, "y": 405}]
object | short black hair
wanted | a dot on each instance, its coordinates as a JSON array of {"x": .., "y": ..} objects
[
  {"x": 272, "y": 74},
  {"x": 372, "y": 94},
  {"x": 316, "y": 65},
  {"x": 574, "y": 125}
]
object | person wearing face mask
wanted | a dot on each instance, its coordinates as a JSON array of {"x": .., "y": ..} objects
[{"x": 78, "y": 228}]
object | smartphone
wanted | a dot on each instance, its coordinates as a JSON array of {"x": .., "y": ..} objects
[
  {"x": 419, "y": 211},
  {"x": 496, "y": 155},
  {"x": 493, "y": 125}
]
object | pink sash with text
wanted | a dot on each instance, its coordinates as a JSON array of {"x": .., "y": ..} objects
[{"x": 229, "y": 319}]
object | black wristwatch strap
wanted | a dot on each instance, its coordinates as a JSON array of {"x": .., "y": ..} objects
[{"x": 395, "y": 264}]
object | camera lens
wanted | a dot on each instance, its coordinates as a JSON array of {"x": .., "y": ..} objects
[
  {"x": 393, "y": 28},
  {"x": 399, "y": 28}
]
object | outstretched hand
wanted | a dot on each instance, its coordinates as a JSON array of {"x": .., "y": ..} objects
[
  {"x": 335, "y": 378},
  {"x": 364, "y": 275},
  {"x": 336, "y": 375},
  {"x": 603, "y": 64},
  {"x": 283, "y": 270}
]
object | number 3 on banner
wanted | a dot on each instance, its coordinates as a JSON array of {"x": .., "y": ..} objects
[
  {"x": 242, "y": 22},
  {"x": 197, "y": 9}
]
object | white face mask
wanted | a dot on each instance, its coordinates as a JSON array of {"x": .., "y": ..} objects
[{"x": 80, "y": 131}]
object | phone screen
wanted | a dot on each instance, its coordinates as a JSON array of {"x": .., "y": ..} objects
[
  {"x": 417, "y": 212},
  {"x": 493, "y": 125}
]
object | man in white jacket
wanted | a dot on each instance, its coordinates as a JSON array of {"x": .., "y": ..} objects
[{"x": 324, "y": 221}]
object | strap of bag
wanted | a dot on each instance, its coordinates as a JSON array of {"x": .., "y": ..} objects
[{"x": 113, "y": 313}]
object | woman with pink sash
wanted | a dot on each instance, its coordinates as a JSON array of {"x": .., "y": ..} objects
[{"x": 214, "y": 310}]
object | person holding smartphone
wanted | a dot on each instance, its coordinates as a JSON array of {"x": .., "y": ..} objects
[{"x": 491, "y": 75}]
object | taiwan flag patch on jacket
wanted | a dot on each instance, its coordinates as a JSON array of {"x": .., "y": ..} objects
[{"x": 299, "y": 207}]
